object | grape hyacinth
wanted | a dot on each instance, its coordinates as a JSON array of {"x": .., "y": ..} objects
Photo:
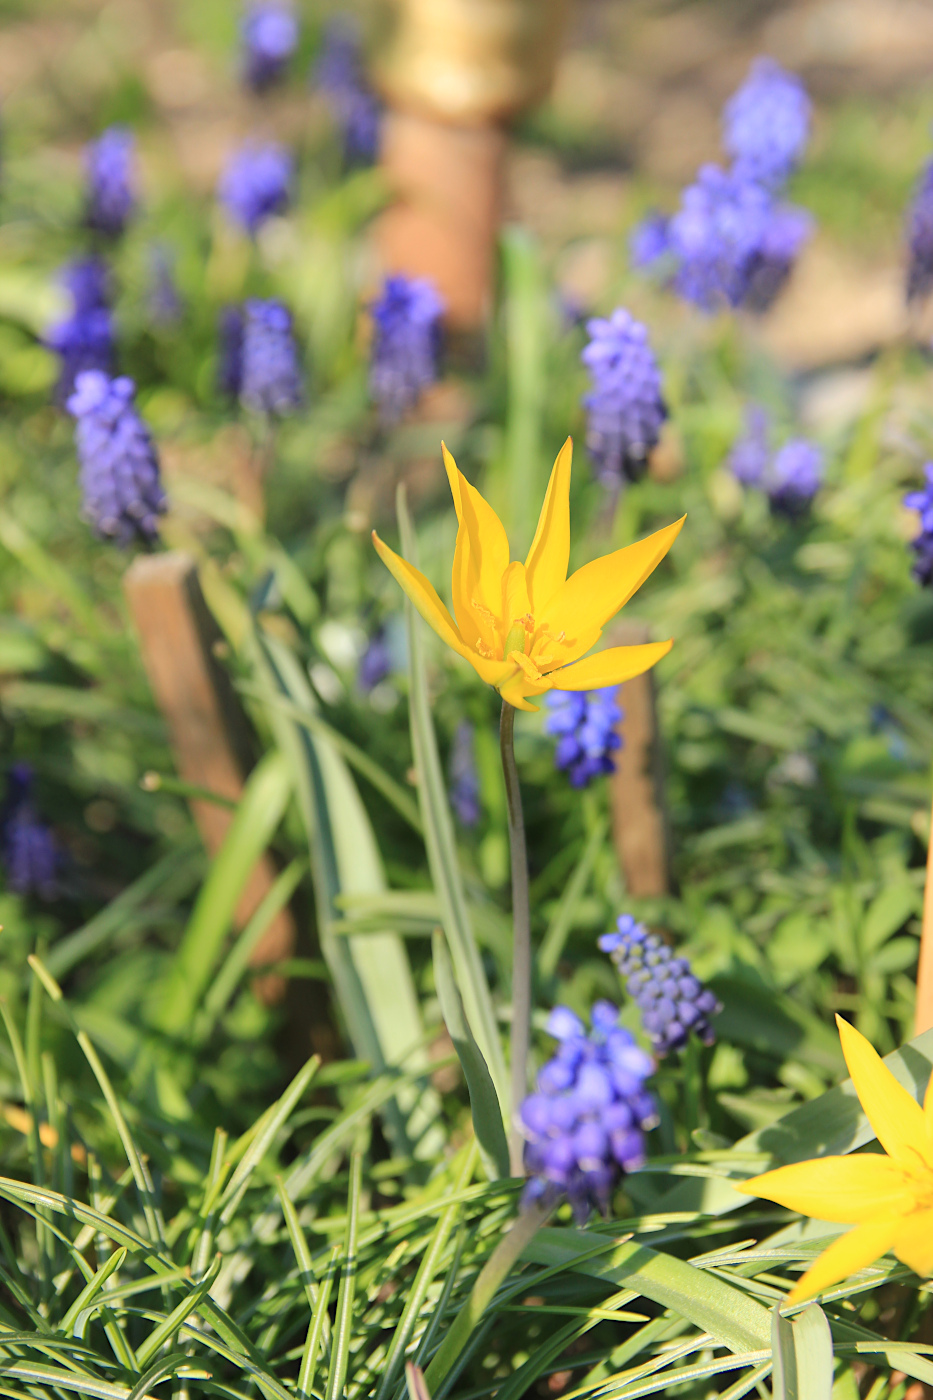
[
  {"x": 585, "y": 1125},
  {"x": 766, "y": 124},
  {"x": 748, "y": 460},
  {"x": 84, "y": 339},
  {"x": 110, "y": 164},
  {"x": 673, "y": 1003},
  {"x": 406, "y": 344},
  {"x": 584, "y": 723},
  {"x": 716, "y": 235},
  {"x": 256, "y": 184},
  {"x": 123, "y": 495},
  {"x": 341, "y": 77},
  {"x": 269, "y": 34},
  {"x": 920, "y": 239},
  {"x": 780, "y": 245},
  {"x": 650, "y": 241},
  {"x": 625, "y": 408},
  {"x": 464, "y": 779},
  {"x": 270, "y": 379},
  {"x": 230, "y": 351},
  {"x": 29, "y": 850},
  {"x": 794, "y": 477},
  {"x": 375, "y": 663},
  {"x": 922, "y": 544}
]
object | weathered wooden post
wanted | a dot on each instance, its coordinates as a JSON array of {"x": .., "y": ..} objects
[
  {"x": 208, "y": 730},
  {"x": 639, "y": 815},
  {"x": 454, "y": 72}
]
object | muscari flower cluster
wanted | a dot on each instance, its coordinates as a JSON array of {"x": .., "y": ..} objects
[
  {"x": 375, "y": 663},
  {"x": 120, "y": 479},
  {"x": 110, "y": 164},
  {"x": 673, "y": 1003},
  {"x": 920, "y": 239},
  {"x": 584, "y": 723},
  {"x": 406, "y": 344},
  {"x": 270, "y": 378},
  {"x": 733, "y": 242},
  {"x": 30, "y": 853},
  {"x": 341, "y": 77},
  {"x": 84, "y": 339},
  {"x": 256, "y": 184},
  {"x": 585, "y": 1125},
  {"x": 790, "y": 477},
  {"x": 922, "y": 544},
  {"x": 464, "y": 779},
  {"x": 269, "y": 35},
  {"x": 625, "y": 407}
]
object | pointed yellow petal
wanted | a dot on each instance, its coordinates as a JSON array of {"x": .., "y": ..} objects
[
  {"x": 914, "y": 1244},
  {"x": 894, "y": 1114},
  {"x": 453, "y": 476},
  {"x": 515, "y": 690},
  {"x": 847, "y": 1189},
  {"x": 481, "y": 558},
  {"x": 610, "y": 667},
  {"x": 851, "y": 1252},
  {"x": 549, "y": 555},
  {"x": 595, "y": 593},
  {"x": 423, "y": 595},
  {"x": 516, "y": 603}
]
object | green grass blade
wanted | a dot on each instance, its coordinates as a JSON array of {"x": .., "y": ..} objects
[
  {"x": 484, "y": 1103},
  {"x": 440, "y": 842},
  {"x": 177, "y": 1363},
  {"x": 299, "y": 1244},
  {"x": 552, "y": 944},
  {"x": 318, "y": 1327},
  {"x": 260, "y": 810},
  {"x": 274, "y": 1120},
  {"x": 343, "y": 1331},
  {"x": 90, "y": 1292},
  {"x": 160, "y": 1335},
  {"x": 813, "y": 1348}
]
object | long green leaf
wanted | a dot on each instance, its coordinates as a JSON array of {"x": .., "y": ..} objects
[
  {"x": 342, "y": 1334},
  {"x": 487, "y": 1113},
  {"x": 441, "y": 845},
  {"x": 90, "y": 1291},
  {"x": 274, "y": 1120},
  {"x": 260, "y": 810},
  {"x": 159, "y": 1335},
  {"x": 318, "y": 1327}
]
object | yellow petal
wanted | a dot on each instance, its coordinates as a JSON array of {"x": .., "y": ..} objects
[
  {"x": 928, "y": 1111},
  {"x": 516, "y": 603},
  {"x": 914, "y": 1244},
  {"x": 846, "y": 1189},
  {"x": 481, "y": 558},
  {"x": 515, "y": 689},
  {"x": 894, "y": 1114},
  {"x": 549, "y": 555},
  {"x": 853, "y": 1251},
  {"x": 595, "y": 593},
  {"x": 610, "y": 667}
]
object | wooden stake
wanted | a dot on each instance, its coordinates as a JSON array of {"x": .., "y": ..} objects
[
  {"x": 209, "y": 733},
  {"x": 923, "y": 1015},
  {"x": 639, "y": 816}
]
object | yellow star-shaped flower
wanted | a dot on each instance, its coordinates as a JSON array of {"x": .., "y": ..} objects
[
  {"x": 888, "y": 1199},
  {"x": 523, "y": 627}
]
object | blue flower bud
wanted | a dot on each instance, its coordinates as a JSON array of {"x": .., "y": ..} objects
[
  {"x": 673, "y": 1003},
  {"x": 625, "y": 407}
]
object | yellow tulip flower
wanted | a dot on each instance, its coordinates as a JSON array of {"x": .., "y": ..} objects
[
  {"x": 888, "y": 1199},
  {"x": 523, "y": 627}
]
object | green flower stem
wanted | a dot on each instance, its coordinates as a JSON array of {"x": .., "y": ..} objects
[
  {"x": 521, "y": 936},
  {"x": 490, "y": 1279}
]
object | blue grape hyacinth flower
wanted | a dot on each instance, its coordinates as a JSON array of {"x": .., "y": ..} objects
[
  {"x": 375, "y": 663},
  {"x": 650, "y": 241},
  {"x": 584, "y": 723},
  {"x": 30, "y": 852},
  {"x": 794, "y": 477},
  {"x": 84, "y": 339},
  {"x": 270, "y": 378},
  {"x": 269, "y": 35},
  {"x": 782, "y": 239},
  {"x": 585, "y": 1124},
  {"x": 110, "y": 166},
  {"x": 230, "y": 351},
  {"x": 256, "y": 184},
  {"x": 922, "y": 543},
  {"x": 750, "y": 455},
  {"x": 464, "y": 779},
  {"x": 766, "y": 124},
  {"x": 406, "y": 344},
  {"x": 920, "y": 239},
  {"x": 120, "y": 478},
  {"x": 673, "y": 1003},
  {"x": 625, "y": 407},
  {"x": 340, "y": 75}
]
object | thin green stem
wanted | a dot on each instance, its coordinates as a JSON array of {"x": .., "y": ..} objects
[{"x": 521, "y": 936}]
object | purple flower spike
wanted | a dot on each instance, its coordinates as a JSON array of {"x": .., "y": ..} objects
[
  {"x": 625, "y": 407},
  {"x": 584, "y": 723},
  {"x": 674, "y": 1005},
  {"x": 110, "y": 163},
  {"x": 256, "y": 184},
  {"x": 782, "y": 241},
  {"x": 84, "y": 339},
  {"x": 406, "y": 344},
  {"x": 750, "y": 453},
  {"x": 794, "y": 477},
  {"x": 230, "y": 351},
  {"x": 464, "y": 779},
  {"x": 269, "y": 35},
  {"x": 123, "y": 495},
  {"x": 271, "y": 378},
  {"x": 29, "y": 850},
  {"x": 585, "y": 1124},
  {"x": 716, "y": 236},
  {"x": 341, "y": 77},
  {"x": 920, "y": 239},
  {"x": 375, "y": 663},
  {"x": 650, "y": 241},
  {"x": 766, "y": 124},
  {"x": 922, "y": 543}
]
